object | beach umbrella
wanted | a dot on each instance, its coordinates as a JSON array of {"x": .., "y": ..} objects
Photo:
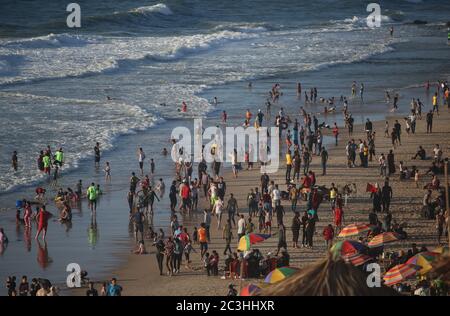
[
  {"x": 357, "y": 259},
  {"x": 250, "y": 290},
  {"x": 249, "y": 239},
  {"x": 327, "y": 277},
  {"x": 423, "y": 259},
  {"x": 400, "y": 273},
  {"x": 279, "y": 274},
  {"x": 441, "y": 250},
  {"x": 347, "y": 247},
  {"x": 353, "y": 230},
  {"x": 381, "y": 239}
]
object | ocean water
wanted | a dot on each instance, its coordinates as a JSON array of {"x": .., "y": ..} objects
[{"x": 149, "y": 56}]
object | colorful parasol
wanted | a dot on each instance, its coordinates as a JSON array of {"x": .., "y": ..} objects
[
  {"x": 347, "y": 247},
  {"x": 357, "y": 259},
  {"x": 423, "y": 259},
  {"x": 279, "y": 274},
  {"x": 441, "y": 250},
  {"x": 250, "y": 290},
  {"x": 381, "y": 239},
  {"x": 400, "y": 273},
  {"x": 247, "y": 240},
  {"x": 353, "y": 230}
]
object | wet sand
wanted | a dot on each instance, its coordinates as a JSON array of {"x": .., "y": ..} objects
[{"x": 140, "y": 276}]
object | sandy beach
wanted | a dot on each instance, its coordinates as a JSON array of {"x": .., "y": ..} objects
[{"x": 139, "y": 275}]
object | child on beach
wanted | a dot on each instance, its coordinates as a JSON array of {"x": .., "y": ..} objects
[
  {"x": 140, "y": 249},
  {"x": 107, "y": 171},
  {"x": 267, "y": 222}
]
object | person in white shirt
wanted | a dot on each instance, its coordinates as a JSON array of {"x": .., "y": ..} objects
[
  {"x": 241, "y": 227},
  {"x": 218, "y": 208},
  {"x": 382, "y": 162},
  {"x": 276, "y": 196},
  {"x": 437, "y": 152},
  {"x": 141, "y": 158}
]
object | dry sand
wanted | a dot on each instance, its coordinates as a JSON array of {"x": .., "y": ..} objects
[{"x": 139, "y": 275}]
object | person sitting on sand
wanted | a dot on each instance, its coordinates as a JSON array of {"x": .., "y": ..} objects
[
  {"x": 140, "y": 250},
  {"x": 420, "y": 153}
]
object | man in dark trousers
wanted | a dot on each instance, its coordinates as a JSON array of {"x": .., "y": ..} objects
[
  {"x": 386, "y": 196},
  {"x": 398, "y": 131},
  {"x": 430, "y": 122},
  {"x": 324, "y": 159}
]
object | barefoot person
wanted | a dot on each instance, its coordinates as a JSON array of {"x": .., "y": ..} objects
[{"x": 42, "y": 219}]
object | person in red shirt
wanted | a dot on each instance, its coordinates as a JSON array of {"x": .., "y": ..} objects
[
  {"x": 338, "y": 215},
  {"x": 335, "y": 133},
  {"x": 185, "y": 193},
  {"x": 312, "y": 177},
  {"x": 42, "y": 218},
  {"x": 328, "y": 235},
  {"x": 306, "y": 182}
]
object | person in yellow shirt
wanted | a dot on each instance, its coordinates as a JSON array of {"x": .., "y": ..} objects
[
  {"x": 333, "y": 194},
  {"x": 92, "y": 197},
  {"x": 435, "y": 103},
  {"x": 288, "y": 166}
]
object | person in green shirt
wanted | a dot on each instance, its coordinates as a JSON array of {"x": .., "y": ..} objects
[
  {"x": 59, "y": 157},
  {"x": 47, "y": 164},
  {"x": 92, "y": 197}
]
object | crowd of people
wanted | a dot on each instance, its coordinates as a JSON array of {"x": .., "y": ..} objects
[{"x": 264, "y": 203}]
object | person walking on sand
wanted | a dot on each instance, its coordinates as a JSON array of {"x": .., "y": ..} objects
[
  {"x": 160, "y": 249},
  {"x": 391, "y": 163},
  {"x": 386, "y": 196},
  {"x": 324, "y": 159},
  {"x": 42, "y": 219},
  {"x": 203, "y": 239},
  {"x": 429, "y": 119},
  {"x": 232, "y": 208},
  {"x": 169, "y": 248},
  {"x": 241, "y": 227},
  {"x": 227, "y": 234},
  {"x": 281, "y": 238},
  {"x": 335, "y": 133},
  {"x": 435, "y": 101},
  {"x": 296, "y": 224}
]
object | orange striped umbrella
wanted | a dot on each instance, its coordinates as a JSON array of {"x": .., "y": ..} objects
[
  {"x": 353, "y": 230},
  {"x": 357, "y": 259},
  {"x": 400, "y": 273},
  {"x": 381, "y": 239}
]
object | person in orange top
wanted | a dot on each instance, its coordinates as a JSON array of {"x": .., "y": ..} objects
[
  {"x": 203, "y": 239},
  {"x": 248, "y": 115}
]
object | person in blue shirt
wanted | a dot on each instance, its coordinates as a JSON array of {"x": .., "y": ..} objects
[{"x": 113, "y": 288}]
